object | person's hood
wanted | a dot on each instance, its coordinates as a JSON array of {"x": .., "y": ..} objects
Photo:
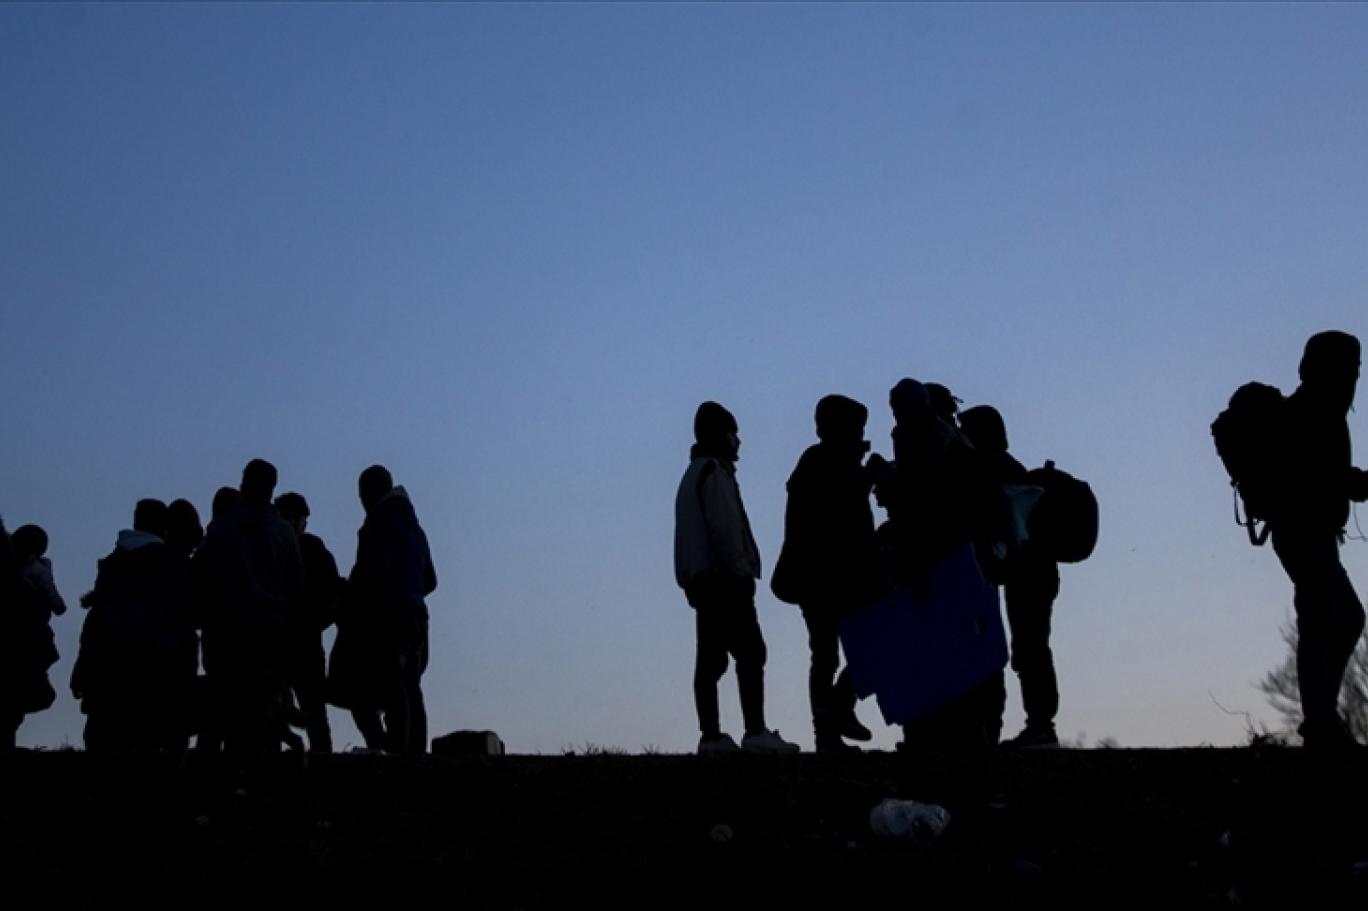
[
  {"x": 1329, "y": 355},
  {"x": 822, "y": 462},
  {"x": 394, "y": 507},
  {"x": 984, "y": 427},
  {"x": 132, "y": 539}
]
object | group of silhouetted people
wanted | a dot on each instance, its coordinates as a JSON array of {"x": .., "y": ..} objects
[
  {"x": 946, "y": 488},
  {"x": 952, "y": 484},
  {"x": 217, "y": 634}
]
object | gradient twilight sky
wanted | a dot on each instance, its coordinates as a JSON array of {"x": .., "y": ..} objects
[{"x": 506, "y": 250}]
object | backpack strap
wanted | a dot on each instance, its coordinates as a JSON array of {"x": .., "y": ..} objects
[{"x": 1257, "y": 536}]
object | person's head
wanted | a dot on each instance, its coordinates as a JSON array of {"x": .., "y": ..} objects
[
  {"x": 183, "y": 529},
  {"x": 258, "y": 481},
  {"x": 294, "y": 509},
  {"x": 840, "y": 419},
  {"x": 909, "y": 400},
  {"x": 30, "y": 542},
  {"x": 373, "y": 484},
  {"x": 149, "y": 516},
  {"x": 716, "y": 431},
  {"x": 944, "y": 405},
  {"x": 984, "y": 427},
  {"x": 1330, "y": 366},
  {"x": 226, "y": 499}
]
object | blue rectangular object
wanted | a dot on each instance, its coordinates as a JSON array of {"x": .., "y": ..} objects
[{"x": 917, "y": 654}]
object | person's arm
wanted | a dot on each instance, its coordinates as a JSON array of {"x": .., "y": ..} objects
[
  {"x": 727, "y": 527},
  {"x": 47, "y": 589},
  {"x": 1358, "y": 485}
]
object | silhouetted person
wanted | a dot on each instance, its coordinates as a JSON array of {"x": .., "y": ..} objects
[
  {"x": 184, "y": 534},
  {"x": 130, "y": 674},
  {"x": 385, "y": 599},
  {"x": 30, "y": 549},
  {"x": 941, "y": 498},
  {"x": 829, "y": 558},
  {"x": 944, "y": 404},
  {"x": 183, "y": 529},
  {"x": 322, "y": 585},
  {"x": 1030, "y": 583},
  {"x": 26, "y": 647},
  {"x": 250, "y": 581},
  {"x": 226, "y": 499},
  {"x": 1308, "y": 526},
  {"x": 717, "y": 563},
  {"x": 941, "y": 493}
]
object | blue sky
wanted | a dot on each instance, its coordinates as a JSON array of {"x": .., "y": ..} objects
[{"x": 507, "y": 249}]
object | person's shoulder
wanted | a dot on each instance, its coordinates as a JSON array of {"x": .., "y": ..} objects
[{"x": 313, "y": 545}]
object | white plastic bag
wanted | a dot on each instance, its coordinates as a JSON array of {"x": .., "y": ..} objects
[{"x": 921, "y": 823}]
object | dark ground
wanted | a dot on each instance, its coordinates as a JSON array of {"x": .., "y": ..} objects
[{"x": 1259, "y": 826}]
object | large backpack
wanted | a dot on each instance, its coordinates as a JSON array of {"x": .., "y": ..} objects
[
  {"x": 1064, "y": 521},
  {"x": 1250, "y": 436}
]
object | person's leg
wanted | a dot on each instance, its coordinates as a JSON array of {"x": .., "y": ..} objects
[
  {"x": 1030, "y": 603},
  {"x": 395, "y": 707},
  {"x": 9, "y": 728},
  {"x": 824, "y": 649},
  {"x": 367, "y": 721},
  {"x": 1312, "y": 563},
  {"x": 309, "y": 681},
  {"x": 1346, "y": 626},
  {"x": 991, "y": 704},
  {"x": 710, "y": 663},
  {"x": 414, "y": 665},
  {"x": 747, "y": 645}
]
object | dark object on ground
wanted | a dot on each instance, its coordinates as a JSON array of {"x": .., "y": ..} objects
[{"x": 468, "y": 743}]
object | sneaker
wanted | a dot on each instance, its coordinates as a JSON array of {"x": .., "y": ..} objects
[
  {"x": 1034, "y": 739},
  {"x": 1333, "y": 737},
  {"x": 767, "y": 742},
  {"x": 850, "y": 728},
  {"x": 722, "y": 743},
  {"x": 835, "y": 746}
]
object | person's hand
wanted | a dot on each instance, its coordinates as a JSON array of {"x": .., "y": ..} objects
[{"x": 1358, "y": 485}]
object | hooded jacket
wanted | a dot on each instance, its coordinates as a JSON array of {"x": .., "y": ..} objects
[
  {"x": 712, "y": 533},
  {"x": 393, "y": 573},
  {"x": 1321, "y": 479},
  {"x": 829, "y": 543},
  {"x": 248, "y": 579},
  {"x": 137, "y": 632}
]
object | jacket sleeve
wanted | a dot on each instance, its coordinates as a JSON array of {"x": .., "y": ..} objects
[
  {"x": 430, "y": 574},
  {"x": 291, "y": 569},
  {"x": 1357, "y": 485},
  {"x": 727, "y": 525},
  {"x": 47, "y": 589}
]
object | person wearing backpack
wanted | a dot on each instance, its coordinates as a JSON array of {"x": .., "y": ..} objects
[
  {"x": 828, "y": 563},
  {"x": 716, "y": 563},
  {"x": 1307, "y": 523},
  {"x": 1030, "y": 584}
]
